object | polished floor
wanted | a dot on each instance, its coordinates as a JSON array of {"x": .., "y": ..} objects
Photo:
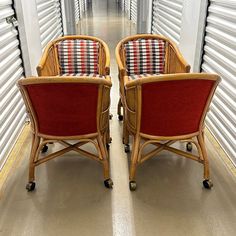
[{"x": 70, "y": 198}]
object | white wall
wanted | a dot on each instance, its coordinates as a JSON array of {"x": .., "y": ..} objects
[
  {"x": 29, "y": 34},
  {"x": 192, "y": 31}
]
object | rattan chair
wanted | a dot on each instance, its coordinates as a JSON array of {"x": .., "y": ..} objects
[
  {"x": 145, "y": 55},
  {"x": 76, "y": 55},
  {"x": 168, "y": 108},
  {"x": 63, "y": 109}
]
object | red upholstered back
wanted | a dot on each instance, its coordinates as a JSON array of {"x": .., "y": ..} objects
[
  {"x": 171, "y": 108},
  {"x": 65, "y": 109}
]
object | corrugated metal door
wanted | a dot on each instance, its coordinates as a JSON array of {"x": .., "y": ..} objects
[
  {"x": 133, "y": 11},
  {"x": 127, "y": 3},
  {"x": 12, "y": 111},
  {"x": 166, "y": 18},
  {"x": 81, "y": 3},
  {"x": 77, "y": 11},
  {"x": 50, "y": 20},
  {"x": 220, "y": 57}
]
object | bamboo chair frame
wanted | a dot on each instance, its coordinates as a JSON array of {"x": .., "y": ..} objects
[
  {"x": 98, "y": 139},
  {"x": 133, "y": 101},
  {"x": 174, "y": 63}
]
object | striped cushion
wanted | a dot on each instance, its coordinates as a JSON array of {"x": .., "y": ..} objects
[
  {"x": 86, "y": 75},
  {"x": 145, "y": 56},
  {"x": 78, "y": 56},
  {"x": 132, "y": 77}
]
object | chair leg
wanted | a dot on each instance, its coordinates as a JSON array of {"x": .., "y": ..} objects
[
  {"x": 206, "y": 182},
  {"x": 134, "y": 163},
  {"x": 35, "y": 144},
  {"x": 106, "y": 171},
  {"x": 120, "y": 117}
]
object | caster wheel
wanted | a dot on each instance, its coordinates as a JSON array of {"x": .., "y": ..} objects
[
  {"x": 107, "y": 146},
  {"x": 108, "y": 183},
  {"x": 207, "y": 184},
  {"x": 110, "y": 140},
  {"x": 110, "y": 116},
  {"x": 30, "y": 186},
  {"x": 120, "y": 117},
  {"x": 132, "y": 185},
  {"x": 127, "y": 148},
  {"x": 189, "y": 146},
  {"x": 44, "y": 149}
]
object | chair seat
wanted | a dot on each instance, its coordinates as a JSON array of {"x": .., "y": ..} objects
[
  {"x": 87, "y": 75},
  {"x": 133, "y": 77}
]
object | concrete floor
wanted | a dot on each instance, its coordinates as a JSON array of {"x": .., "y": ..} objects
[{"x": 70, "y": 198}]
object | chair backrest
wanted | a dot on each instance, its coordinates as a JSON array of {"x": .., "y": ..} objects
[
  {"x": 173, "y": 105},
  {"x": 145, "y": 56},
  {"x": 78, "y": 56},
  {"x": 64, "y": 106}
]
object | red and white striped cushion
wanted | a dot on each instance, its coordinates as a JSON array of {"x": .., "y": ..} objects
[
  {"x": 132, "y": 77},
  {"x": 145, "y": 56},
  {"x": 86, "y": 75},
  {"x": 78, "y": 56}
]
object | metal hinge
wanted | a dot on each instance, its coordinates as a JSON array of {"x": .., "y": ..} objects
[{"x": 12, "y": 20}]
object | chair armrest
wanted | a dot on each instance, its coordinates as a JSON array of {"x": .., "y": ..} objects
[{"x": 48, "y": 65}]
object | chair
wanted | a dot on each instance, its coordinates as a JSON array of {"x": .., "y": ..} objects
[
  {"x": 76, "y": 55},
  {"x": 168, "y": 108},
  {"x": 145, "y": 55},
  {"x": 64, "y": 108}
]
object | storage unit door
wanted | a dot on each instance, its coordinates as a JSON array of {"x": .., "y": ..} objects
[
  {"x": 77, "y": 11},
  {"x": 127, "y": 3},
  {"x": 12, "y": 110},
  {"x": 219, "y": 56},
  {"x": 166, "y": 18},
  {"x": 81, "y": 3},
  {"x": 133, "y": 11},
  {"x": 50, "y": 20}
]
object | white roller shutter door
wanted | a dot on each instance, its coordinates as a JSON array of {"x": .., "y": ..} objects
[
  {"x": 77, "y": 11},
  {"x": 127, "y": 4},
  {"x": 81, "y": 3},
  {"x": 166, "y": 18},
  {"x": 133, "y": 11},
  {"x": 50, "y": 21},
  {"x": 12, "y": 110},
  {"x": 220, "y": 57}
]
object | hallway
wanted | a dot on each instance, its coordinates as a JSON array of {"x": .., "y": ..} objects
[{"x": 70, "y": 198}]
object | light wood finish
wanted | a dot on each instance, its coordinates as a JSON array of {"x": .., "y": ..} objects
[
  {"x": 49, "y": 65},
  {"x": 98, "y": 139},
  {"x": 133, "y": 108},
  {"x": 174, "y": 63}
]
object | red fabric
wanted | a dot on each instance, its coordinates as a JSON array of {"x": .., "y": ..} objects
[
  {"x": 172, "y": 108},
  {"x": 65, "y": 109}
]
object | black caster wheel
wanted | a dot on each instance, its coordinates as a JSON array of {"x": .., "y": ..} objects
[
  {"x": 189, "y": 146},
  {"x": 110, "y": 140},
  {"x": 107, "y": 146},
  {"x": 207, "y": 184},
  {"x": 120, "y": 117},
  {"x": 108, "y": 183},
  {"x": 127, "y": 148},
  {"x": 30, "y": 186},
  {"x": 44, "y": 149},
  {"x": 110, "y": 116},
  {"x": 132, "y": 185}
]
